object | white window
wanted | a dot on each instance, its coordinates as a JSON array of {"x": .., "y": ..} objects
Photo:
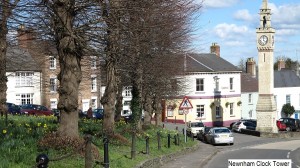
[
  {"x": 217, "y": 85},
  {"x": 94, "y": 103},
  {"x": 127, "y": 103},
  {"x": 218, "y": 113},
  {"x": 200, "y": 111},
  {"x": 53, "y": 86},
  {"x": 52, "y": 62},
  {"x": 231, "y": 109},
  {"x": 127, "y": 90},
  {"x": 25, "y": 98},
  {"x": 200, "y": 84},
  {"x": 24, "y": 78},
  {"x": 288, "y": 99},
  {"x": 94, "y": 84},
  {"x": 93, "y": 63},
  {"x": 53, "y": 103},
  {"x": 231, "y": 83},
  {"x": 249, "y": 98}
]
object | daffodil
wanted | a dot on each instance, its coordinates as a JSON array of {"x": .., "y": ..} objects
[{"x": 4, "y": 131}]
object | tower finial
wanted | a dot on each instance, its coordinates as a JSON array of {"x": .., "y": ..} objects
[{"x": 265, "y": 4}]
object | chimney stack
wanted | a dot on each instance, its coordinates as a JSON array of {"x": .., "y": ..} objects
[
  {"x": 25, "y": 37},
  {"x": 281, "y": 64},
  {"x": 251, "y": 67},
  {"x": 215, "y": 49}
]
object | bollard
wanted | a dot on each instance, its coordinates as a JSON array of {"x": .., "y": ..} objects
[
  {"x": 175, "y": 139},
  {"x": 163, "y": 125},
  {"x": 169, "y": 139},
  {"x": 88, "y": 151},
  {"x": 42, "y": 161},
  {"x": 147, "y": 145},
  {"x": 106, "y": 157},
  {"x": 176, "y": 128},
  {"x": 183, "y": 131},
  {"x": 158, "y": 141},
  {"x": 178, "y": 139}
]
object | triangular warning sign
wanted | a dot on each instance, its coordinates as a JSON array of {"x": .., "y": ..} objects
[{"x": 185, "y": 104}]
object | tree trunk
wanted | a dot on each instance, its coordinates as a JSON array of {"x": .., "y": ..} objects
[
  {"x": 5, "y": 13},
  {"x": 119, "y": 103},
  {"x": 70, "y": 53},
  {"x": 109, "y": 98},
  {"x": 148, "y": 111}
]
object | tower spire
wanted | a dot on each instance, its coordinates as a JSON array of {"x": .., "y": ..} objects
[{"x": 265, "y": 4}]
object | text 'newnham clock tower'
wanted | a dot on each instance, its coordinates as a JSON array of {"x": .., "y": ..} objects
[{"x": 266, "y": 106}]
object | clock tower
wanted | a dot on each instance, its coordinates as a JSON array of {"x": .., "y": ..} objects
[{"x": 266, "y": 107}]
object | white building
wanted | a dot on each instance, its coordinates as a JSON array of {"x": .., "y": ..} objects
[
  {"x": 212, "y": 87},
  {"x": 24, "y": 78}
]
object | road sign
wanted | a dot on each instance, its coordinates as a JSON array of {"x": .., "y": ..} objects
[
  {"x": 185, "y": 104},
  {"x": 185, "y": 111}
]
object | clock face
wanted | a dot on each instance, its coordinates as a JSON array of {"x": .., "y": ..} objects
[{"x": 263, "y": 40}]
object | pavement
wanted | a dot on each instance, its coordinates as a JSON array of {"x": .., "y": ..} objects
[{"x": 195, "y": 159}]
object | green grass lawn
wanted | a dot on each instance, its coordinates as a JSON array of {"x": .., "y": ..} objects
[{"x": 19, "y": 143}]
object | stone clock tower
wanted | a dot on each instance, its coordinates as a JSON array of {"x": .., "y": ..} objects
[{"x": 266, "y": 106}]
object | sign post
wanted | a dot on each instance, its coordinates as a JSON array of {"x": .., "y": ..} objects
[{"x": 185, "y": 105}]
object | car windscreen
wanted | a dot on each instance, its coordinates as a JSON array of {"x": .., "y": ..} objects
[
  {"x": 199, "y": 124},
  {"x": 218, "y": 131}
]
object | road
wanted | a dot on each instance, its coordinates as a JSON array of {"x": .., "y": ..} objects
[{"x": 288, "y": 149}]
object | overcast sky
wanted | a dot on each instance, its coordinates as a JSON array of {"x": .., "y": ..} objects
[{"x": 232, "y": 24}]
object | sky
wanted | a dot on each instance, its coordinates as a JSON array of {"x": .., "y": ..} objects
[{"x": 232, "y": 25}]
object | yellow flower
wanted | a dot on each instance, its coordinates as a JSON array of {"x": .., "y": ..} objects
[
  {"x": 4, "y": 131},
  {"x": 45, "y": 125},
  {"x": 39, "y": 124}
]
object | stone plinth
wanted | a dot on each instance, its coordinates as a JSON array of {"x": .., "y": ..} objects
[{"x": 266, "y": 113}]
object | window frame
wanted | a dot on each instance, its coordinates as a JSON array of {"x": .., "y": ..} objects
[
  {"x": 24, "y": 78},
  {"x": 200, "y": 109},
  {"x": 53, "y": 86},
  {"x": 52, "y": 62},
  {"x": 199, "y": 84}
]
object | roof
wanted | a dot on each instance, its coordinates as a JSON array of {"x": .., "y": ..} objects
[
  {"x": 286, "y": 78},
  {"x": 208, "y": 63},
  {"x": 18, "y": 59},
  {"x": 248, "y": 83}
]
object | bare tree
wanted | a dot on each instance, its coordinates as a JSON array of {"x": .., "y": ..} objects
[{"x": 6, "y": 8}]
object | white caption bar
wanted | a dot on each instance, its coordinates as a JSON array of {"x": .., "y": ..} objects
[{"x": 259, "y": 163}]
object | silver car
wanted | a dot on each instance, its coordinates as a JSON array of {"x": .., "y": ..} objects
[{"x": 220, "y": 135}]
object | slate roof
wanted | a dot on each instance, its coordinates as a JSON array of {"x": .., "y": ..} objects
[
  {"x": 208, "y": 63},
  {"x": 282, "y": 78},
  {"x": 248, "y": 83},
  {"x": 18, "y": 59},
  {"x": 286, "y": 78}
]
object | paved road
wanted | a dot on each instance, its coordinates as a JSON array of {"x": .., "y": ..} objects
[
  {"x": 206, "y": 152},
  {"x": 273, "y": 151}
]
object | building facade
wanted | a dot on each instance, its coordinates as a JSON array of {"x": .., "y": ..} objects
[{"x": 213, "y": 89}]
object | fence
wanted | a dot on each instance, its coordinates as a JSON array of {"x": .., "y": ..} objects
[{"x": 42, "y": 160}]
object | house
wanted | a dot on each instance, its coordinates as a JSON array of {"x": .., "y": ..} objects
[
  {"x": 24, "y": 77},
  {"x": 249, "y": 90},
  {"x": 286, "y": 89},
  {"x": 32, "y": 70},
  {"x": 212, "y": 88}
]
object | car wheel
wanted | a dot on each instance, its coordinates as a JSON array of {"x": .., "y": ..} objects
[
  {"x": 231, "y": 143},
  {"x": 212, "y": 142},
  {"x": 288, "y": 129}
]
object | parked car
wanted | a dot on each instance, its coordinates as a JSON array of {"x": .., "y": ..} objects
[
  {"x": 243, "y": 125},
  {"x": 250, "y": 120},
  {"x": 13, "y": 108},
  {"x": 34, "y": 109},
  {"x": 194, "y": 127},
  {"x": 98, "y": 113},
  {"x": 290, "y": 123},
  {"x": 280, "y": 125},
  {"x": 220, "y": 135},
  {"x": 202, "y": 134}
]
